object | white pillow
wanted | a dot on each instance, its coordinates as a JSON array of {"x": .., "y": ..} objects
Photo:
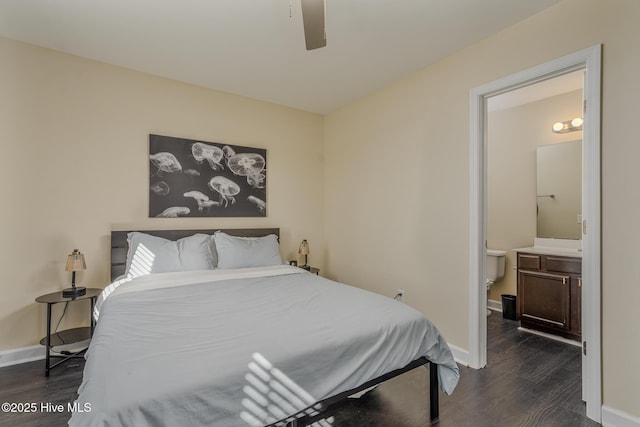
[
  {"x": 238, "y": 252},
  {"x": 150, "y": 254}
]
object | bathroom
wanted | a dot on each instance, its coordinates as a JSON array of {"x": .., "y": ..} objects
[{"x": 534, "y": 199}]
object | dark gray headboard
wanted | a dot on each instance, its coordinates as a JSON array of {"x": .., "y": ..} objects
[{"x": 120, "y": 246}]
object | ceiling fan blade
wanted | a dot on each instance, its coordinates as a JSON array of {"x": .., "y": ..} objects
[{"x": 313, "y": 14}]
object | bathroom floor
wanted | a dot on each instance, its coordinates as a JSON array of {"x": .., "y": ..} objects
[{"x": 529, "y": 381}]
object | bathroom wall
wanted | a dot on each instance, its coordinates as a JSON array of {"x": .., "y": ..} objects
[{"x": 513, "y": 137}]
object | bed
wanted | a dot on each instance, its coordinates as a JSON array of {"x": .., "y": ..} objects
[{"x": 252, "y": 342}]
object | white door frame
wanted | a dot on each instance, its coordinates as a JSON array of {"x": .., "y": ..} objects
[{"x": 590, "y": 60}]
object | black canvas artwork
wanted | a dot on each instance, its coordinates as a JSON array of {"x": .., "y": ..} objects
[{"x": 190, "y": 178}]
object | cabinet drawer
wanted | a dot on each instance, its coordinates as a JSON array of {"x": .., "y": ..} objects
[
  {"x": 529, "y": 262},
  {"x": 564, "y": 265}
]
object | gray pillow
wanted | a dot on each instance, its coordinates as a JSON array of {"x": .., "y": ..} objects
[
  {"x": 150, "y": 254},
  {"x": 238, "y": 252}
]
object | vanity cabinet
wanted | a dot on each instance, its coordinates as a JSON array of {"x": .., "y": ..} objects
[{"x": 549, "y": 294}]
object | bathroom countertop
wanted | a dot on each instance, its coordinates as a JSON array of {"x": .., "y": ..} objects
[
  {"x": 557, "y": 247},
  {"x": 543, "y": 250}
]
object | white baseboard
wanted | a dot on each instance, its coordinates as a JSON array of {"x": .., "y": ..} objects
[
  {"x": 494, "y": 305},
  {"x": 550, "y": 336},
  {"x": 461, "y": 356},
  {"x": 21, "y": 355},
  {"x": 615, "y": 418}
]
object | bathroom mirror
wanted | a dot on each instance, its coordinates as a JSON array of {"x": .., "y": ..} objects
[{"x": 559, "y": 190}]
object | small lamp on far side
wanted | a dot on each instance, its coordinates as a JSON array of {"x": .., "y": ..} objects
[
  {"x": 304, "y": 250},
  {"x": 75, "y": 262}
]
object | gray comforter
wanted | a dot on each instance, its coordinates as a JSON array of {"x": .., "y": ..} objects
[{"x": 243, "y": 347}]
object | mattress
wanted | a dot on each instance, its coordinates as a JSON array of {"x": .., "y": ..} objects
[{"x": 242, "y": 347}]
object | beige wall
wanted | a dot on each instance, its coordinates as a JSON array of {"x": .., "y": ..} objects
[
  {"x": 397, "y": 178},
  {"x": 74, "y": 165},
  {"x": 396, "y": 173},
  {"x": 513, "y": 135}
]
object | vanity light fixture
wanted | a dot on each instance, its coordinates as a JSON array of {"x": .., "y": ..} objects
[{"x": 568, "y": 126}]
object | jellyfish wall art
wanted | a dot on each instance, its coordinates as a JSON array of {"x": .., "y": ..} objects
[{"x": 190, "y": 178}]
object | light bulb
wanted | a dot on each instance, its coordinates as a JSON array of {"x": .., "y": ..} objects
[
  {"x": 577, "y": 122},
  {"x": 558, "y": 126}
]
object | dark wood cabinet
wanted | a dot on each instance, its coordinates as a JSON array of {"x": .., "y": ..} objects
[{"x": 549, "y": 294}]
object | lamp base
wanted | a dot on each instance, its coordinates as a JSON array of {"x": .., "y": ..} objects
[
  {"x": 74, "y": 292},
  {"x": 306, "y": 267}
]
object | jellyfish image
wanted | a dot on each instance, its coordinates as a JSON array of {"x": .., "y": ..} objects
[
  {"x": 245, "y": 164},
  {"x": 260, "y": 204},
  {"x": 228, "y": 152},
  {"x": 202, "y": 200},
  {"x": 160, "y": 188},
  {"x": 191, "y": 172},
  {"x": 209, "y": 204},
  {"x": 250, "y": 165},
  {"x": 226, "y": 188},
  {"x": 165, "y": 162},
  {"x": 212, "y": 154},
  {"x": 256, "y": 181},
  {"x": 174, "y": 212}
]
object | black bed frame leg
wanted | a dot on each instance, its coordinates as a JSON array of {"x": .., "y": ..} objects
[{"x": 434, "y": 407}]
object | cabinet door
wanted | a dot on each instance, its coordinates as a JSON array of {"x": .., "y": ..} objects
[{"x": 544, "y": 298}]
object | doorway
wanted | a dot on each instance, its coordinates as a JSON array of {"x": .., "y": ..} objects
[
  {"x": 534, "y": 191},
  {"x": 588, "y": 60}
]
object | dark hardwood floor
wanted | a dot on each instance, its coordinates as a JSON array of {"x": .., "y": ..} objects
[
  {"x": 529, "y": 381},
  {"x": 26, "y": 383}
]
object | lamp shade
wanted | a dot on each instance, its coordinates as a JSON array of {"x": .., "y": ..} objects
[
  {"x": 75, "y": 261},
  {"x": 304, "y": 248}
]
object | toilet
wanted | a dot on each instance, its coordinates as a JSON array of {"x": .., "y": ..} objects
[{"x": 494, "y": 268}]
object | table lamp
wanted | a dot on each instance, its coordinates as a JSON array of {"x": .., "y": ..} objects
[
  {"x": 75, "y": 262},
  {"x": 304, "y": 250}
]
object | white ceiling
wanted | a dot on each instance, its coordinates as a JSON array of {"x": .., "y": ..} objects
[{"x": 255, "y": 49}]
